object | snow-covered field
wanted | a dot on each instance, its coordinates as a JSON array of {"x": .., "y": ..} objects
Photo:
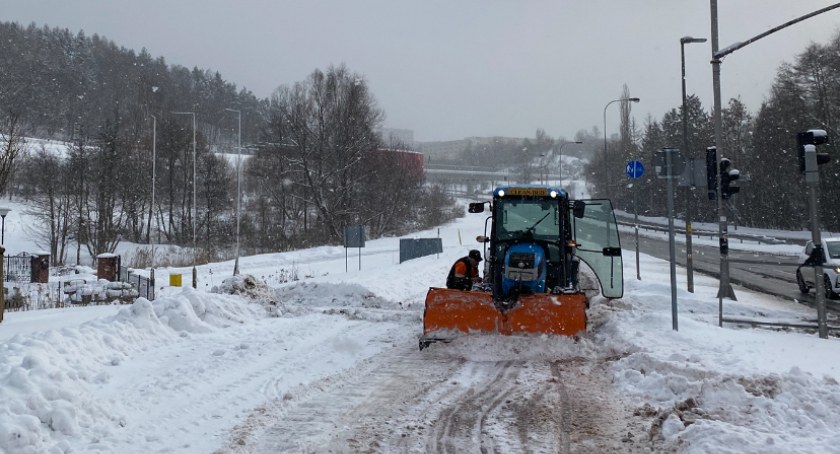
[{"x": 329, "y": 363}]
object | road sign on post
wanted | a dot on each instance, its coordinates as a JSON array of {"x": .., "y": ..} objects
[
  {"x": 694, "y": 174},
  {"x": 634, "y": 169},
  {"x": 660, "y": 162},
  {"x": 669, "y": 165},
  {"x": 354, "y": 236}
]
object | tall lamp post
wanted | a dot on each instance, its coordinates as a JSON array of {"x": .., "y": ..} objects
[
  {"x": 689, "y": 260},
  {"x": 195, "y": 206},
  {"x": 238, "y": 184},
  {"x": 606, "y": 166},
  {"x": 3, "y": 212},
  {"x": 152, "y": 211},
  {"x": 560, "y": 152}
]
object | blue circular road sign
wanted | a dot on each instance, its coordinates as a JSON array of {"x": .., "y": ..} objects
[{"x": 635, "y": 169}]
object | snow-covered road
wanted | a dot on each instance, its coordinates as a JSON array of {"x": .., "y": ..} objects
[
  {"x": 214, "y": 379},
  {"x": 530, "y": 395}
]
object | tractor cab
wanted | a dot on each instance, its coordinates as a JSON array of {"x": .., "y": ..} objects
[{"x": 537, "y": 236}]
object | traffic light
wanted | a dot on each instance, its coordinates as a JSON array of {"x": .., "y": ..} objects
[
  {"x": 727, "y": 177},
  {"x": 711, "y": 172},
  {"x": 807, "y": 142}
]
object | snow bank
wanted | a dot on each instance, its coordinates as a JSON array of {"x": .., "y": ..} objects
[
  {"x": 47, "y": 379},
  {"x": 722, "y": 390}
]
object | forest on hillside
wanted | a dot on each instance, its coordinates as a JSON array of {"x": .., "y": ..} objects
[{"x": 143, "y": 161}]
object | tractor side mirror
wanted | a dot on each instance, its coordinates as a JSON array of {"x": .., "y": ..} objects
[{"x": 578, "y": 208}]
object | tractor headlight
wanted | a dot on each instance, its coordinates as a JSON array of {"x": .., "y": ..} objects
[
  {"x": 553, "y": 194},
  {"x": 501, "y": 193}
]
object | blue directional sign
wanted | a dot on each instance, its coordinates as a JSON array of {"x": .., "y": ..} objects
[{"x": 635, "y": 169}]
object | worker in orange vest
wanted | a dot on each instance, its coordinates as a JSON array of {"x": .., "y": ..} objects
[{"x": 464, "y": 272}]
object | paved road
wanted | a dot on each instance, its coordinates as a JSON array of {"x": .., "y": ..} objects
[{"x": 766, "y": 273}]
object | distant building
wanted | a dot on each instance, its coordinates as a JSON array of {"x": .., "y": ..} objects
[
  {"x": 451, "y": 149},
  {"x": 409, "y": 164},
  {"x": 442, "y": 150},
  {"x": 493, "y": 140},
  {"x": 446, "y": 149}
]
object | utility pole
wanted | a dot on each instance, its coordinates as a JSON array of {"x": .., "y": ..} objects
[
  {"x": 689, "y": 253},
  {"x": 725, "y": 288},
  {"x": 238, "y": 184},
  {"x": 152, "y": 212}
]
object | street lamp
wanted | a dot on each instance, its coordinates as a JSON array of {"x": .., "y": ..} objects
[
  {"x": 606, "y": 167},
  {"x": 238, "y": 185},
  {"x": 560, "y": 152},
  {"x": 689, "y": 261},
  {"x": 3, "y": 212},
  {"x": 154, "y": 179},
  {"x": 195, "y": 205}
]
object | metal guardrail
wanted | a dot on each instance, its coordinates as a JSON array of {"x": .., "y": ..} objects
[
  {"x": 712, "y": 233},
  {"x": 744, "y": 321}
]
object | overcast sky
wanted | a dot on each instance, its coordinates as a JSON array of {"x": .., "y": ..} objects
[{"x": 449, "y": 69}]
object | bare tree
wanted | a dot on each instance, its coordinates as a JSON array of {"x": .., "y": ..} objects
[
  {"x": 51, "y": 203},
  {"x": 11, "y": 148},
  {"x": 327, "y": 123},
  {"x": 101, "y": 217}
]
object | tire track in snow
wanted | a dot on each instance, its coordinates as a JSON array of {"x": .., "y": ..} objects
[
  {"x": 410, "y": 402},
  {"x": 462, "y": 423},
  {"x": 354, "y": 410}
]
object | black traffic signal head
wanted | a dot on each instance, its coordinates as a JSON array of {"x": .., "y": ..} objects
[
  {"x": 728, "y": 175},
  {"x": 711, "y": 172},
  {"x": 725, "y": 164},
  {"x": 812, "y": 137}
]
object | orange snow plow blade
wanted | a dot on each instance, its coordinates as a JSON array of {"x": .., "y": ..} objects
[
  {"x": 548, "y": 314},
  {"x": 459, "y": 310},
  {"x": 450, "y": 311}
]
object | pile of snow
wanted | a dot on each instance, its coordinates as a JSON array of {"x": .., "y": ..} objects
[
  {"x": 48, "y": 379},
  {"x": 729, "y": 389},
  {"x": 252, "y": 288}
]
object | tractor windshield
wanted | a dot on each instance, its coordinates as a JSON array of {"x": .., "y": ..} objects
[{"x": 529, "y": 217}]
